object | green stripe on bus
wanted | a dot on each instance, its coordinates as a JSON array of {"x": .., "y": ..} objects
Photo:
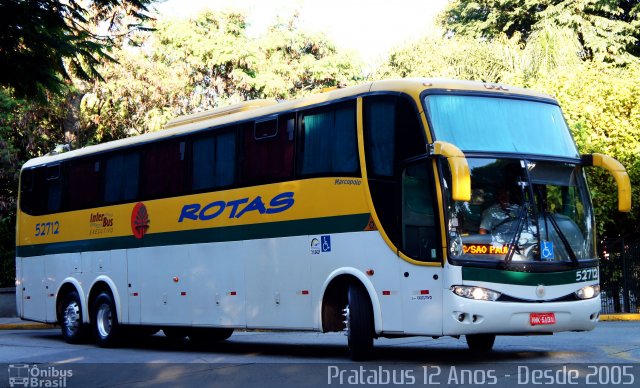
[
  {"x": 518, "y": 278},
  {"x": 326, "y": 225}
]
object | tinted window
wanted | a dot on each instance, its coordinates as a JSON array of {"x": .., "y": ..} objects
[
  {"x": 328, "y": 143},
  {"x": 121, "y": 177},
  {"x": 392, "y": 133},
  {"x": 268, "y": 150},
  {"x": 54, "y": 183},
  {"x": 214, "y": 159},
  {"x": 41, "y": 190},
  {"x": 419, "y": 238},
  {"x": 162, "y": 169},
  {"x": 84, "y": 184},
  {"x": 32, "y": 194}
]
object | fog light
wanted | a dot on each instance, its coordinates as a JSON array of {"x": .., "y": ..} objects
[
  {"x": 588, "y": 292},
  {"x": 476, "y": 293}
]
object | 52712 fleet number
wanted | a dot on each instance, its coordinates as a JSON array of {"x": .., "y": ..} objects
[
  {"x": 583, "y": 275},
  {"x": 47, "y": 228}
]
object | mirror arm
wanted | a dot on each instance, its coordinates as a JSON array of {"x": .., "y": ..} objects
[
  {"x": 619, "y": 173},
  {"x": 460, "y": 175}
]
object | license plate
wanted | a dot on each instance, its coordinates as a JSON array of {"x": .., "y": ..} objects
[{"x": 542, "y": 319}]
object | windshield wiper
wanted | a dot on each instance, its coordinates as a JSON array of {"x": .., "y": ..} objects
[
  {"x": 562, "y": 236},
  {"x": 516, "y": 235}
]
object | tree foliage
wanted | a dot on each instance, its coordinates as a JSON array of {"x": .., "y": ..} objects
[
  {"x": 607, "y": 30},
  {"x": 601, "y": 102},
  {"x": 52, "y": 41},
  {"x": 206, "y": 62}
]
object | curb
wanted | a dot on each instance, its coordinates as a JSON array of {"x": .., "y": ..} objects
[
  {"x": 619, "y": 317},
  {"x": 26, "y": 326}
]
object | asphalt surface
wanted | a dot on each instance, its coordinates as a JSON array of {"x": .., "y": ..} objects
[{"x": 282, "y": 359}]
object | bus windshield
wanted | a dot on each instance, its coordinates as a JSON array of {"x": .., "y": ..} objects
[
  {"x": 522, "y": 211},
  {"x": 476, "y": 123}
]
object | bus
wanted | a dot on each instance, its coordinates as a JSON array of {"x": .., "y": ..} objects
[{"x": 411, "y": 207}]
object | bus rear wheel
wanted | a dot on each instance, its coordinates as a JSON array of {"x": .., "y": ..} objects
[
  {"x": 106, "y": 328},
  {"x": 359, "y": 323},
  {"x": 481, "y": 343},
  {"x": 71, "y": 323}
]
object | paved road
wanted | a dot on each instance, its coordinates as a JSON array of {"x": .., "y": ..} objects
[{"x": 313, "y": 359}]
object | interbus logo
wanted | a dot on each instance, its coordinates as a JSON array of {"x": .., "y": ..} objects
[{"x": 139, "y": 220}]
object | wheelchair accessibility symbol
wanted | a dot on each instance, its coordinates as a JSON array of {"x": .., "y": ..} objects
[
  {"x": 546, "y": 250},
  {"x": 326, "y": 243}
]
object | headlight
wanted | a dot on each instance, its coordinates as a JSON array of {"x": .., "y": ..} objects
[
  {"x": 588, "y": 292},
  {"x": 477, "y": 293}
]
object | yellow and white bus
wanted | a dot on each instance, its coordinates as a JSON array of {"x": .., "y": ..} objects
[{"x": 412, "y": 207}]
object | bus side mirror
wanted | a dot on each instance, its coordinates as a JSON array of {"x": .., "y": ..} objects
[
  {"x": 619, "y": 173},
  {"x": 460, "y": 176}
]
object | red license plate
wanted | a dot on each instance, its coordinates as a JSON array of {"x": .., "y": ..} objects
[{"x": 542, "y": 319}]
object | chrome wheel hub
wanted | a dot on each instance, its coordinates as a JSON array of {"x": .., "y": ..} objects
[
  {"x": 71, "y": 318},
  {"x": 347, "y": 322},
  {"x": 104, "y": 320}
]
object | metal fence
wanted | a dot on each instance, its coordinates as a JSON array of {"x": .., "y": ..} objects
[{"x": 620, "y": 275}]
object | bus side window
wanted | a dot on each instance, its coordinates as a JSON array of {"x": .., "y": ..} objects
[
  {"x": 418, "y": 216},
  {"x": 267, "y": 150},
  {"x": 214, "y": 161},
  {"x": 54, "y": 181},
  {"x": 392, "y": 133},
  {"x": 328, "y": 143},
  {"x": 121, "y": 177},
  {"x": 84, "y": 189},
  {"x": 162, "y": 169},
  {"x": 29, "y": 200}
]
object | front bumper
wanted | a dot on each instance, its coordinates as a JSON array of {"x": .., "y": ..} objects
[{"x": 480, "y": 316}]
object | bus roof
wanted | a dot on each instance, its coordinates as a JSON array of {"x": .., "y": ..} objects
[{"x": 256, "y": 108}]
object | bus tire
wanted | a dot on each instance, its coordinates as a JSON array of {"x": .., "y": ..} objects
[
  {"x": 480, "y": 343},
  {"x": 206, "y": 336},
  {"x": 73, "y": 329},
  {"x": 106, "y": 328},
  {"x": 359, "y": 323}
]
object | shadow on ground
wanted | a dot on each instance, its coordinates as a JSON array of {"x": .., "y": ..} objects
[{"x": 436, "y": 351}]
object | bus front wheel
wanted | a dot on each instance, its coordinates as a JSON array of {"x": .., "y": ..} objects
[
  {"x": 106, "y": 328},
  {"x": 359, "y": 323},
  {"x": 481, "y": 343},
  {"x": 73, "y": 329}
]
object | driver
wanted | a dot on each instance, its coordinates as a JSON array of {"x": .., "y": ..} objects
[{"x": 496, "y": 213}]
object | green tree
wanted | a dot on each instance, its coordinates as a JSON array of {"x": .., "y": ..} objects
[
  {"x": 27, "y": 129},
  {"x": 601, "y": 102},
  {"x": 206, "y": 62},
  {"x": 44, "y": 43},
  {"x": 608, "y": 30},
  {"x": 602, "y": 106}
]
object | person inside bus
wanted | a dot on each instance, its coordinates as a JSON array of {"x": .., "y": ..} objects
[{"x": 497, "y": 213}]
